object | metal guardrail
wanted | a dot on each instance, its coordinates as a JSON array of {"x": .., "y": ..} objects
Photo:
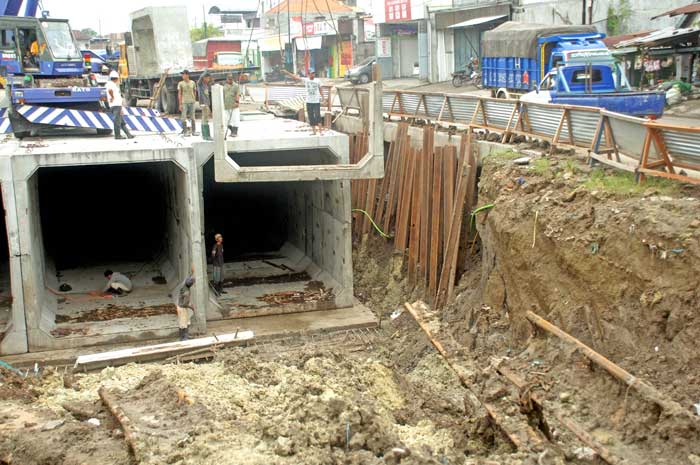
[
  {"x": 655, "y": 148},
  {"x": 278, "y": 93}
]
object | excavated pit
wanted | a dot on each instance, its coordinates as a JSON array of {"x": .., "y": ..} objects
[
  {"x": 284, "y": 244},
  {"x": 128, "y": 218}
]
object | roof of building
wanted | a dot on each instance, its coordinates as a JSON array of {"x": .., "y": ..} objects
[
  {"x": 321, "y": 7},
  {"x": 666, "y": 36},
  {"x": 684, "y": 10},
  {"x": 614, "y": 40}
]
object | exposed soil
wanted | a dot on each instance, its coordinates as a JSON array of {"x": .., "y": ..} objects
[{"x": 610, "y": 263}]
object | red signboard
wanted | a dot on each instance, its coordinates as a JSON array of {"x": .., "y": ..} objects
[{"x": 397, "y": 10}]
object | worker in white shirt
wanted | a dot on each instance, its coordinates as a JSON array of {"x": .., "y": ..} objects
[
  {"x": 117, "y": 283},
  {"x": 114, "y": 97}
]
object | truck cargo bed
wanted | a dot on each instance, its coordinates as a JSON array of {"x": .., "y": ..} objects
[{"x": 630, "y": 103}]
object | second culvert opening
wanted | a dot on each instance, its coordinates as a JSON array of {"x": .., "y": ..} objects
[{"x": 283, "y": 242}]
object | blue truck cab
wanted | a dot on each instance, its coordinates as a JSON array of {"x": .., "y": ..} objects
[{"x": 560, "y": 64}]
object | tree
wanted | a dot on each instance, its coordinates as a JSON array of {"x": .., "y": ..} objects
[
  {"x": 89, "y": 32},
  {"x": 197, "y": 33}
]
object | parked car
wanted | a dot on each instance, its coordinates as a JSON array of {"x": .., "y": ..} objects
[{"x": 361, "y": 72}]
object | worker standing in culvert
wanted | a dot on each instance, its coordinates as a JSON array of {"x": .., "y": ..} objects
[
  {"x": 183, "y": 306},
  {"x": 204, "y": 94},
  {"x": 114, "y": 96},
  {"x": 313, "y": 98},
  {"x": 217, "y": 261},
  {"x": 232, "y": 99},
  {"x": 186, "y": 98}
]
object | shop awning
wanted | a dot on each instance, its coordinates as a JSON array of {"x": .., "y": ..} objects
[
  {"x": 477, "y": 21},
  {"x": 310, "y": 43},
  {"x": 271, "y": 44}
]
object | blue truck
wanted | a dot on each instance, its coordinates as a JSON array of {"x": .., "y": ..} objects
[
  {"x": 42, "y": 72},
  {"x": 560, "y": 64}
]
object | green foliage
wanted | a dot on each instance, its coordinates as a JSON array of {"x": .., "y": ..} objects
[
  {"x": 197, "y": 33},
  {"x": 542, "y": 166},
  {"x": 89, "y": 32},
  {"x": 618, "y": 17},
  {"x": 623, "y": 183}
]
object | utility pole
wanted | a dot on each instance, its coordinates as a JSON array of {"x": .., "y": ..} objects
[
  {"x": 583, "y": 12},
  {"x": 204, "y": 16},
  {"x": 290, "y": 58}
]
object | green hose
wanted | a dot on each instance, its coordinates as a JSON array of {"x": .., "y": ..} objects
[
  {"x": 381, "y": 233},
  {"x": 479, "y": 210}
]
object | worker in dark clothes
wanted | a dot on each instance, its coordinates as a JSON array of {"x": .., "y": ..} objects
[
  {"x": 217, "y": 260},
  {"x": 183, "y": 305},
  {"x": 204, "y": 94}
]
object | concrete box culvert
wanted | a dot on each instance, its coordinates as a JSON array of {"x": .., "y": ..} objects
[
  {"x": 132, "y": 218},
  {"x": 287, "y": 245}
]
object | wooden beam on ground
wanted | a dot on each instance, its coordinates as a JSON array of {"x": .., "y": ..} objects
[
  {"x": 159, "y": 351},
  {"x": 131, "y": 432},
  {"x": 645, "y": 390},
  {"x": 518, "y": 432},
  {"x": 568, "y": 423}
]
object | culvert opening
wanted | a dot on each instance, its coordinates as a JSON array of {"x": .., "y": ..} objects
[
  {"x": 5, "y": 283},
  {"x": 131, "y": 219},
  {"x": 319, "y": 156},
  {"x": 286, "y": 245}
]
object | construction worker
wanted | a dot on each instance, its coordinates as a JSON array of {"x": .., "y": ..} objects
[
  {"x": 232, "y": 111},
  {"x": 35, "y": 50},
  {"x": 117, "y": 283},
  {"x": 217, "y": 260},
  {"x": 313, "y": 98},
  {"x": 186, "y": 96},
  {"x": 183, "y": 306},
  {"x": 114, "y": 97},
  {"x": 204, "y": 94}
]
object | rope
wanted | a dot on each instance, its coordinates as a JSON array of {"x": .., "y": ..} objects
[{"x": 381, "y": 233}]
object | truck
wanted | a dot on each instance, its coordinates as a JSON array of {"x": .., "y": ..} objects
[
  {"x": 560, "y": 64},
  {"x": 160, "y": 51},
  {"x": 43, "y": 70}
]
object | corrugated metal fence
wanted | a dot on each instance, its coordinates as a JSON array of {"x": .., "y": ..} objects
[{"x": 650, "y": 148}]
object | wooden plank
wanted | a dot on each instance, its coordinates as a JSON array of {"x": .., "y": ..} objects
[
  {"x": 435, "y": 219},
  {"x": 403, "y": 225},
  {"x": 384, "y": 184},
  {"x": 425, "y": 204},
  {"x": 416, "y": 209},
  {"x": 158, "y": 351},
  {"x": 449, "y": 263},
  {"x": 362, "y": 188},
  {"x": 660, "y": 145},
  {"x": 464, "y": 238},
  {"x": 397, "y": 208},
  {"x": 370, "y": 204},
  {"x": 400, "y": 141},
  {"x": 448, "y": 192}
]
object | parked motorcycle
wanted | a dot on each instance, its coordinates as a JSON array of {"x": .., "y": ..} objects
[{"x": 470, "y": 75}]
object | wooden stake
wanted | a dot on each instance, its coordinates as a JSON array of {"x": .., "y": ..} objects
[
  {"x": 416, "y": 208},
  {"x": 405, "y": 204}
]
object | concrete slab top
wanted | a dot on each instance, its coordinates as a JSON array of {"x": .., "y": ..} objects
[
  {"x": 274, "y": 134},
  {"x": 65, "y": 145}
]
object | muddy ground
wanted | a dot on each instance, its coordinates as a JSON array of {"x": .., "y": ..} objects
[{"x": 610, "y": 262}]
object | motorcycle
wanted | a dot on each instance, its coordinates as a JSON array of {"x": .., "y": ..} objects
[{"x": 470, "y": 75}]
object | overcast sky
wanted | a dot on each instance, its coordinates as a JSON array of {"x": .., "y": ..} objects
[{"x": 113, "y": 15}]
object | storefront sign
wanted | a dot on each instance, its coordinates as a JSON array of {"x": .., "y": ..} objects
[
  {"x": 397, "y": 10},
  {"x": 384, "y": 47},
  {"x": 370, "y": 32},
  {"x": 319, "y": 28}
]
